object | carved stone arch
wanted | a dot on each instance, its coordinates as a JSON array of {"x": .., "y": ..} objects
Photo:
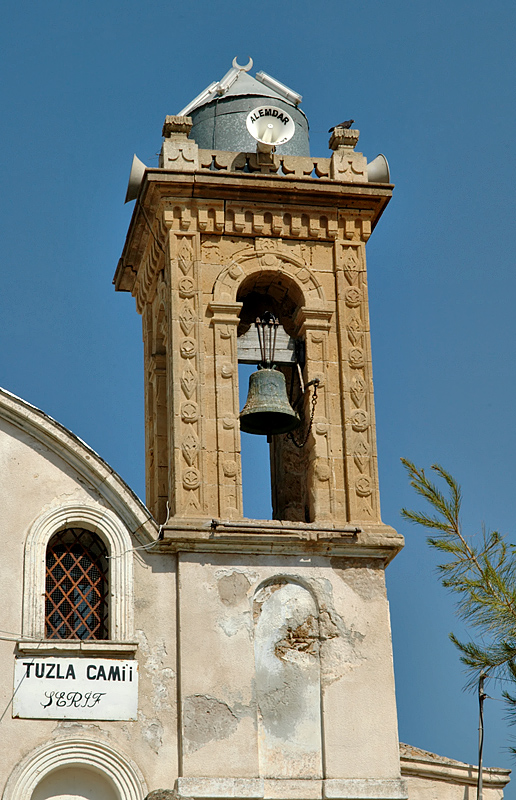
[
  {"x": 113, "y": 533},
  {"x": 245, "y": 264},
  {"x": 119, "y": 771}
]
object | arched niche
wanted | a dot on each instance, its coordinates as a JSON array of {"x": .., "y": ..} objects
[
  {"x": 288, "y": 680},
  {"x": 50, "y": 767},
  {"x": 75, "y": 783}
]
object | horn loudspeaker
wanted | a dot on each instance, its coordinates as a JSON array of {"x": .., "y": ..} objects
[
  {"x": 270, "y": 126},
  {"x": 378, "y": 170},
  {"x": 135, "y": 178}
]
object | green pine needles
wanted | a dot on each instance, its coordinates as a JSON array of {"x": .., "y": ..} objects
[{"x": 482, "y": 576}]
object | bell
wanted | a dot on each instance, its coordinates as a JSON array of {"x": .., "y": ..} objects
[{"x": 267, "y": 410}]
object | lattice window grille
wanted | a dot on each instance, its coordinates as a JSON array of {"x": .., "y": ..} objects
[{"x": 77, "y": 586}]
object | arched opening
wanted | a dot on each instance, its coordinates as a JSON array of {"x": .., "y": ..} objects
[
  {"x": 255, "y": 457},
  {"x": 280, "y": 465},
  {"x": 75, "y": 783},
  {"x": 76, "y": 586}
]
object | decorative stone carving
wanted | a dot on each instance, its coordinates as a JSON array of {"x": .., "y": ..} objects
[
  {"x": 191, "y": 478},
  {"x": 230, "y": 468},
  {"x": 189, "y": 412},
  {"x": 363, "y": 486},
  {"x": 188, "y": 348},
  {"x": 323, "y": 471},
  {"x": 188, "y": 382},
  {"x": 353, "y": 315},
  {"x": 353, "y": 297},
  {"x": 190, "y": 448},
  {"x": 361, "y": 455},
  {"x": 356, "y": 358},
  {"x": 178, "y": 152},
  {"x": 226, "y": 370},
  {"x": 359, "y": 420},
  {"x": 353, "y": 331},
  {"x": 358, "y": 390},
  {"x": 186, "y": 287}
]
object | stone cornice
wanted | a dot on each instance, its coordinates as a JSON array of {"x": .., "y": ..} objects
[
  {"x": 288, "y": 194},
  {"x": 364, "y": 540}
]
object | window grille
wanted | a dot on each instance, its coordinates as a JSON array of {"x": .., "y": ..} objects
[{"x": 76, "y": 601}]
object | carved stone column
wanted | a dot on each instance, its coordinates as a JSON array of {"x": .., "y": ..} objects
[
  {"x": 185, "y": 361},
  {"x": 229, "y": 473},
  {"x": 356, "y": 373},
  {"x": 315, "y": 329}
]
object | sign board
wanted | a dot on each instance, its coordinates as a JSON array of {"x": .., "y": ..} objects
[{"x": 75, "y": 688}]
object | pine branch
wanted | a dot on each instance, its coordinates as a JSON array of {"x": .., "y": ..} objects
[{"x": 483, "y": 578}]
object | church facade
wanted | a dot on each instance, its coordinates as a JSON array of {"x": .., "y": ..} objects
[{"x": 178, "y": 649}]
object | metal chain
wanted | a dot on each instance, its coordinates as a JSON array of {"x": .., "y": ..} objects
[{"x": 312, "y": 414}]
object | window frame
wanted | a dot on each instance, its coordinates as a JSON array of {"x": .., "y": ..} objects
[{"x": 115, "y": 536}]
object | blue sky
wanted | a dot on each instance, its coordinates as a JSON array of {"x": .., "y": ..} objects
[{"x": 431, "y": 85}]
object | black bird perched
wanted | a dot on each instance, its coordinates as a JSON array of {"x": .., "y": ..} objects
[{"x": 346, "y": 124}]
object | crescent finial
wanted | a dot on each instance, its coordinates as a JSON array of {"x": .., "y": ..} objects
[{"x": 247, "y": 67}]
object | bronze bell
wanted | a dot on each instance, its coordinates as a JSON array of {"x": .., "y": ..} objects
[{"x": 267, "y": 409}]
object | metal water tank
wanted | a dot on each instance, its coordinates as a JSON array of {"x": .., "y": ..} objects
[{"x": 220, "y": 124}]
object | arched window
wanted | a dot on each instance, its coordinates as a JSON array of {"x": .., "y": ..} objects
[
  {"x": 112, "y": 556},
  {"x": 76, "y": 586}
]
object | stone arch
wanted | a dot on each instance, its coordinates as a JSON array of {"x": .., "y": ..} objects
[
  {"x": 119, "y": 772},
  {"x": 113, "y": 533},
  {"x": 245, "y": 264},
  {"x": 288, "y": 679}
]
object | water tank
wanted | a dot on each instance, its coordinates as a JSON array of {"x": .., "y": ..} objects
[{"x": 220, "y": 124}]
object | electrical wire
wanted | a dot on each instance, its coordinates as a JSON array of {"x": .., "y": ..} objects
[{"x": 15, "y": 691}]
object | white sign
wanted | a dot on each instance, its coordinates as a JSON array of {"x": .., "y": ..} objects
[{"x": 75, "y": 688}]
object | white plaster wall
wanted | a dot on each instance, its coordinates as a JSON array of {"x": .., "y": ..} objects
[
  {"x": 428, "y": 789},
  {"x": 217, "y": 655},
  {"x": 217, "y": 663},
  {"x": 34, "y": 480}
]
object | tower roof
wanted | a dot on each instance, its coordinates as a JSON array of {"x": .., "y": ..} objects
[{"x": 237, "y": 82}]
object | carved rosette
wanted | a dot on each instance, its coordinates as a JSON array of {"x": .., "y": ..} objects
[{"x": 355, "y": 358}]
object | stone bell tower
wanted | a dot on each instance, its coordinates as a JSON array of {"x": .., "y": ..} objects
[{"x": 285, "y": 679}]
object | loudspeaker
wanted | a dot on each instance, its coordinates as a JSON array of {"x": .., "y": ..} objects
[
  {"x": 135, "y": 178},
  {"x": 270, "y": 126},
  {"x": 378, "y": 170}
]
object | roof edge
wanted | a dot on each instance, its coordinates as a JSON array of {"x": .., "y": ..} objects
[
  {"x": 82, "y": 458},
  {"x": 418, "y": 763}
]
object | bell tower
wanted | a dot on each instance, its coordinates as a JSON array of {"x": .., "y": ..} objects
[{"x": 285, "y": 679}]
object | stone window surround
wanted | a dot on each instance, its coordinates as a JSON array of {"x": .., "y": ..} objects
[
  {"x": 113, "y": 533},
  {"x": 123, "y": 773}
]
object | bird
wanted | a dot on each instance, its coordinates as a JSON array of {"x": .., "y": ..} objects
[{"x": 346, "y": 124}]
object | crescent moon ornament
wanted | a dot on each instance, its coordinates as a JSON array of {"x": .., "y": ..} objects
[{"x": 247, "y": 67}]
